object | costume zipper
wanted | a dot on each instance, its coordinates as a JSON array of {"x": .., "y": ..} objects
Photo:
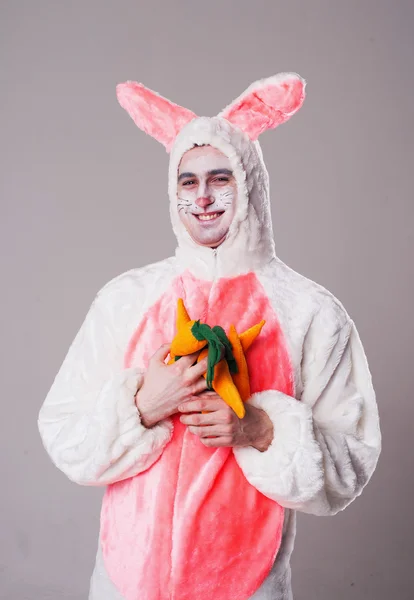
[
  {"x": 171, "y": 583},
  {"x": 213, "y": 280},
  {"x": 215, "y": 263}
]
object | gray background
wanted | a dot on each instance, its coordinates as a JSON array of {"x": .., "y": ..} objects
[{"x": 84, "y": 197}]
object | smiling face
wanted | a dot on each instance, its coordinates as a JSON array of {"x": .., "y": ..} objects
[{"x": 206, "y": 195}]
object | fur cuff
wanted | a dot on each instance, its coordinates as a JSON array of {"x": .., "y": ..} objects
[
  {"x": 98, "y": 439},
  {"x": 128, "y": 415},
  {"x": 290, "y": 471}
]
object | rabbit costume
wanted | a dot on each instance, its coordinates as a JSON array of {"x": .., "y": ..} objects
[{"x": 179, "y": 520}]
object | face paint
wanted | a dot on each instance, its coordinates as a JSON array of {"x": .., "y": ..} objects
[{"x": 206, "y": 195}]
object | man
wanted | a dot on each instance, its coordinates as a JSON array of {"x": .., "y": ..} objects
[{"x": 199, "y": 503}]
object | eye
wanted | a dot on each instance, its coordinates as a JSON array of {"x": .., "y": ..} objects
[
  {"x": 189, "y": 182},
  {"x": 221, "y": 180}
]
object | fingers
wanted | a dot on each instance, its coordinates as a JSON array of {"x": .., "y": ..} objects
[
  {"x": 208, "y": 404},
  {"x": 200, "y": 368},
  {"x": 200, "y": 386},
  {"x": 217, "y": 442},
  {"x": 161, "y": 354},
  {"x": 209, "y": 395},
  {"x": 200, "y": 419},
  {"x": 185, "y": 361},
  {"x": 188, "y": 359},
  {"x": 210, "y": 430}
]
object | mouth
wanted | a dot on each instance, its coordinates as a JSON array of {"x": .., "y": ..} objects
[{"x": 209, "y": 216}]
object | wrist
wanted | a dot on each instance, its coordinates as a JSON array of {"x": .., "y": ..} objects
[
  {"x": 147, "y": 415},
  {"x": 265, "y": 437}
]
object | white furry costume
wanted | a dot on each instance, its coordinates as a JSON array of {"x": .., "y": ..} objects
[{"x": 179, "y": 520}]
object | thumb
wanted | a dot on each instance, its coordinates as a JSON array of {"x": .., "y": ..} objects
[{"x": 161, "y": 354}]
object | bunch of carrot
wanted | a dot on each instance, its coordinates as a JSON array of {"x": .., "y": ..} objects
[{"x": 227, "y": 371}]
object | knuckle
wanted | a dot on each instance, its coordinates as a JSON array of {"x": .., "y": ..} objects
[
  {"x": 187, "y": 375},
  {"x": 185, "y": 382},
  {"x": 175, "y": 367},
  {"x": 180, "y": 366}
]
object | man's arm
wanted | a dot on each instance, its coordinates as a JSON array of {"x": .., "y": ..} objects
[
  {"x": 89, "y": 422},
  {"x": 316, "y": 454},
  {"x": 326, "y": 446}
]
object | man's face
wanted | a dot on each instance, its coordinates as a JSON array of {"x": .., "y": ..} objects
[{"x": 206, "y": 195}]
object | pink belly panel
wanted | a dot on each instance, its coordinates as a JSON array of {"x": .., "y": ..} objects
[{"x": 191, "y": 527}]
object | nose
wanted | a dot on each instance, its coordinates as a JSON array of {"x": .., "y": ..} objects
[{"x": 204, "y": 201}]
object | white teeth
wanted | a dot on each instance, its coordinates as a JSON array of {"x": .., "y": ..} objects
[{"x": 208, "y": 217}]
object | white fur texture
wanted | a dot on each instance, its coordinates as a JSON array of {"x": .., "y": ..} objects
[
  {"x": 290, "y": 470},
  {"x": 326, "y": 439},
  {"x": 89, "y": 423},
  {"x": 325, "y": 446},
  {"x": 249, "y": 243},
  {"x": 266, "y": 103}
]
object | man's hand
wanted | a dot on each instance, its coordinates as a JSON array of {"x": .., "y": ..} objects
[
  {"x": 165, "y": 386},
  {"x": 221, "y": 426}
]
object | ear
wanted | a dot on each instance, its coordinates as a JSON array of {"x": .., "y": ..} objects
[
  {"x": 152, "y": 113},
  {"x": 266, "y": 104}
]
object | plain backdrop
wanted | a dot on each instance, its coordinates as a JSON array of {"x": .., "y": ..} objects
[{"x": 84, "y": 198}]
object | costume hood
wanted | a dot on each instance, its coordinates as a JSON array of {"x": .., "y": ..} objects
[{"x": 265, "y": 104}]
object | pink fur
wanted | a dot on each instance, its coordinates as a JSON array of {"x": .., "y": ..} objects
[
  {"x": 266, "y": 104},
  {"x": 157, "y": 116},
  {"x": 187, "y": 527}
]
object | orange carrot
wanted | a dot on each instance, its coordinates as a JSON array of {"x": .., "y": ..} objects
[
  {"x": 172, "y": 358},
  {"x": 185, "y": 342},
  {"x": 248, "y": 336},
  {"x": 241, "y": 378},
  {"x": 182, "y": 314},
  {"x": 224, "y": 385}
]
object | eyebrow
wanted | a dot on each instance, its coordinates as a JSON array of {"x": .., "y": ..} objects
[
  {"x": 185, "y": 175},
  {"x": 220, "y": 172},
  {"x": 210, "y": 173}
]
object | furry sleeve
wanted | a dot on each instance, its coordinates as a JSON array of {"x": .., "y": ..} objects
[
  {"x": 325, "y": 445},
  {"x": 89, "y": 422}
]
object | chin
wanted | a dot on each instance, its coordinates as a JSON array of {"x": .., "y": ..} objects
[
  {"x": 210, "y": 243},
  {"x": 206, "y": 242}
]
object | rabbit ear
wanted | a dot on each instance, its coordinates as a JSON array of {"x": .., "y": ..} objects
[
  {"x": 152, "y": 113},
  {"x": 266, "y": 104}
]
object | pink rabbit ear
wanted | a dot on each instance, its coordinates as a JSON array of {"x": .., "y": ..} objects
[
  {"x": 266, "y": 104},
  {"x": 157, "y": 116}
]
